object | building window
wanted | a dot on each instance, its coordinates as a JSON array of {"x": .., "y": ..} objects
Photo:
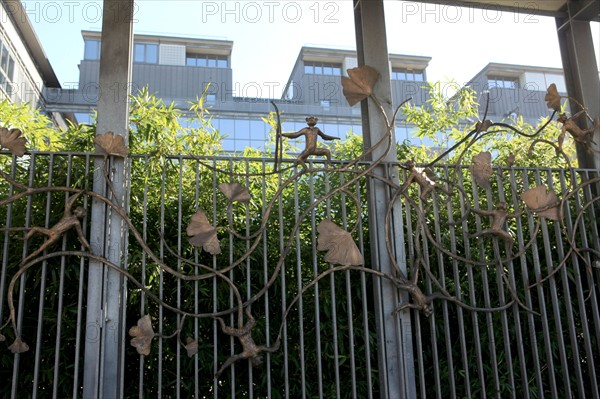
[
  {"x": 145, "y": 53},
  {"x": 207, "y": 60},
  {"x": 414, "y": 75},
  {"x": 7, "y": 67},
  {"x": 503, "y": 82},
  {"x": 322, "y": 68},
  {"x": 92, "y": 49}
]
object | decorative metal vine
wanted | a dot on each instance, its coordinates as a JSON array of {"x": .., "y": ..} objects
[{"x": 339, "y": 244}]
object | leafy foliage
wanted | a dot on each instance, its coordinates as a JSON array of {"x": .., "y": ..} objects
[{"x": 176, "y": 170}]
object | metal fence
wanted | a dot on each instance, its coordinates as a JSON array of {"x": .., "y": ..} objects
[{"x": 492, "y": 331}]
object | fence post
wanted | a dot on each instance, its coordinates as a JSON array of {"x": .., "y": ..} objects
[
  {"x": 581, "y": 70},
  {"x": 396, "y": 364},
  {"x": 105, "y": 330}
]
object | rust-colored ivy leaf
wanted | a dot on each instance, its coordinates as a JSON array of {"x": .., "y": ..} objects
[
  {"x": 13, "y": 141},
  {"x": 18, "y": 346},
  {"x": 483, "y": 126},
  {"x": 360, "y": 83},
  {"x": 543, "y": 202},
  {"x": 111, "y": 144},
  {"x": 191, "y": 346},
  {"x": 552, "y": 98},
  {"x": 235, "y": 192},
  {"x": 341, "y": 248},
  {"x": 142, "y": 335},
  {"x": 511, "y": 159},
  {"x": 203, "y": 234},
  {"x": 482, "y": 168}
]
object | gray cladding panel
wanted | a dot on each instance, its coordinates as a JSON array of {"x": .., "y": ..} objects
[{"x": 168, "y": 81}]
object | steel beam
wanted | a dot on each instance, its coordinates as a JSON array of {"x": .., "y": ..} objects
[
  {"x": 105, "y": 330},
  {"x": 396, "y": 361},
  {"x": 581, "y": 73}
]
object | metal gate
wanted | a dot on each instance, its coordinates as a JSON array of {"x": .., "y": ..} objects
[{"x": 486, "y": 318}]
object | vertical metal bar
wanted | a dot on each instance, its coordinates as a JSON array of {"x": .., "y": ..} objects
[
  {"x": 333, "y": 300},
  {"x": 232, "y": 319},
  {"x": 266, "y": 278},
  {"x": 396, "y": 361},
  {"x": 458, "y": 293},
  {"x": 22, "y": 280},
  {"x": 106, "y": 299},
  {"x": 59, "y": 312},
  {"x": 300, "y": 301},
  {"x": 499, "y": 269},
  {"x": 548, "y": 350},
  {"x": 472, "y": 291},
  {"x": 179, "y": 230},
  {"x": 533, "y": 347},
  {"x": 433, "y": 344},
  {"x": 593, "y": 228},
  {"x": 41, "y": 304},
  {"x": 349, "y": 301},
  {"x": 363, "y": 291},
  {"x": 486, "y": 295},
  {"x": 196, "y": 287},
  {"x": 317, "y": 295},
  {"x": 580, "y": 297},
  {"x": 555, "y": 302},
  {"x": 143, "y": 272},
  {"x": 444, "y": 304},
  {"x": 161, "y": 282},
  {"x": 7, "y": 241},
  {"x": 215, "y": 296},
  {"x": 510, "y": 277},
  {"x": 82, "y": 262},
  {"x": 248, "y": 274}
]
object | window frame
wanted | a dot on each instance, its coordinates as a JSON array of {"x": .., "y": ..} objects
[
  {"x": 206, "y": 60},
  {"x": 322, "y": 68},
  {"x": 145, "y": 53},
  {"x": 407, "y": 74}
]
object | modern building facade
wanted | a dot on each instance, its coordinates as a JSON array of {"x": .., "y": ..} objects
[
  {"x": 25, "y": 72},
  {"x": 179, "y": 69},
  {"x": 515, "y": 90}
]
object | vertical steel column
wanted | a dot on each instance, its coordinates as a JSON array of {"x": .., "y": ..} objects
[
  {"x": 396, "y": 362},
  {"x": 106, "y": 294},
  {"x": 581, "y": 68}
]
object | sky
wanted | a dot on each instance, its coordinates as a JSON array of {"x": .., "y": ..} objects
[{"x": 268, "y": 35}]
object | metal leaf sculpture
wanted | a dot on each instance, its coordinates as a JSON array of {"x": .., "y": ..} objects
[
  {"x": 483, "y": 126},
  {"x": 511, "y": 159},
  {"x": 191, "y": 346},
  {"x": 482, "y": 168},
  {"x": 13, "y": 141},
  {"x": 552, "y": 98},
  {"x": 543, "y": 202},
  {"x": 235, "y": 192},
  {"x": 203, "y": 234},
  {"x": 111, "y": 144},
  {"x": 360, "y": 83},
  {"x": 142, "y": 335},
  {"x": 18, "y": 346},
  {"x": 341, "y": 248}
]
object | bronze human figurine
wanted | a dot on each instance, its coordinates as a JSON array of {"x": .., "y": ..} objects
[{"x": 310, "y": 134}]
